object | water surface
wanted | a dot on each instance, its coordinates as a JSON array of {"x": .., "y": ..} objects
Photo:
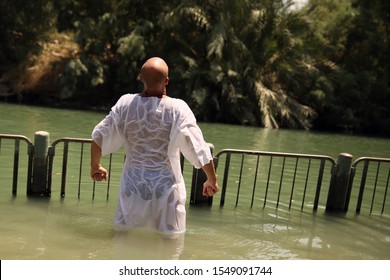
[{"x": 81, "y": 228}]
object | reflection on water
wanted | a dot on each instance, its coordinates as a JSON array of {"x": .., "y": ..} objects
[
  {"x": 83, "y": 229},
  {"x": 146, "y": 245}
]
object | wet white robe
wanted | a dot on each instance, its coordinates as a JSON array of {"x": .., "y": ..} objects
[{"x": 153, "y": 132}]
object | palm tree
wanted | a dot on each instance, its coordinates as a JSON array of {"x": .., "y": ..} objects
[{"x": 233, "y": 56}]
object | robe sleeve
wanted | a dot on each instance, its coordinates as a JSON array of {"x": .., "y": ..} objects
[
  {"x": 109, "y": 134},
  {"x": 188, "y": 138}
]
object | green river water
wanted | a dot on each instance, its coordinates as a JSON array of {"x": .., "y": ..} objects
[{"x": 74, "y": 228}]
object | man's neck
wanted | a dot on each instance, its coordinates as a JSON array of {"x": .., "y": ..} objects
[{"x": 159, "y": 94}]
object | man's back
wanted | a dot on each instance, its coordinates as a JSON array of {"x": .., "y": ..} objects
[{"x": 147, "y": 127}]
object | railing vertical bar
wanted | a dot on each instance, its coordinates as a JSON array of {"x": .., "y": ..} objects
[
  {"x": 375, "y": 185},
  {"x": 225, "y": 177},
  {"x": 16, "y": 167},
  {"x": 109, "y": 177},
  {"x": 387, "y": 186},
  {"x": 30, "y": 153},
  {"x": 281, "y": 182},
  {"x": 269, "y": 176},
  {"x": 64, "y": 168},
  {"x": 306, "y": 181},
  {"x": 50, "y": 167},
  {"x": 293, "y": 184},
  {"x": 319, "y": 183},
  {"x": 255, "y": 180},
  {"x": 240, "y": 178},
  {"x": 181, "y": 162},
  {"x": 80, "y": 168},
  {"x": 362, "y": 185},
  {"x": 93, "y": 189}
]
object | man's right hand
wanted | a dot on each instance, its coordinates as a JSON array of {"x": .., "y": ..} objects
[{"x": 99, "y": 173}]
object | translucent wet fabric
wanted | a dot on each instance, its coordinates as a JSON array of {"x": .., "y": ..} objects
[{"x": 153, "y": 131}]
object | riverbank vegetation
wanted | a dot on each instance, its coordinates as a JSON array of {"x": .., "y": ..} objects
[{"x": 253, "y": 62}]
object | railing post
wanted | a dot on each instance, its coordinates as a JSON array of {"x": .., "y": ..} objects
[
  {"x": 198, "y": 178},
  {"x": 39, "y": 186},
  {"x": 339, "y": 188}
]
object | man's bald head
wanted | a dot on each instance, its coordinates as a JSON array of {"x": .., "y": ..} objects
[{"x": 154, "y": 74}]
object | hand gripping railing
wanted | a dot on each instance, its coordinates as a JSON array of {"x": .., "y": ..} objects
[{"x": 66, "y": 141}]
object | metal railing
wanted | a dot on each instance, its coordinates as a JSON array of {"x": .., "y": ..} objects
[
  {"x": 281, "y": 174},
  {"x": 379, "y": 168},
  {"x": 66, "y": 141},
  {"x": 65, "y": 155},
  {"x": 30, "y": 151},
  {"x": 258, "y": 177}
]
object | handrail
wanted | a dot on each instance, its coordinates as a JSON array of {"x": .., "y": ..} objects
[
  {"x": 70, "y": 139},
  {"x": 16, "y": 136},
  {"x": 373, "y": 159},
  {"x": 253, "y": 152}
]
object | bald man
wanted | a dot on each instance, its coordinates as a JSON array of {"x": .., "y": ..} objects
[{"x": 153, "y": 129}]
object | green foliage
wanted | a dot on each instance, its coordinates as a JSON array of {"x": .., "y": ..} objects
[
  {"x": 22, "y": 25},
  {"x": 256, "y": 62},
  {"x": 355, "y": 38},
  {"x": 232, "y": 69},
  {"x": 79, "y": 75},
  {"x": 69, "y": 79}
]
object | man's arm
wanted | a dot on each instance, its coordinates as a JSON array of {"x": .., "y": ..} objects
[
  {"x": 98, "y": 172},
  {"x": 210, "y": 187}
]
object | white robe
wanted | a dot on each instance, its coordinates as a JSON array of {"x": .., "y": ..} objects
[{"x": 153, "y": 132}]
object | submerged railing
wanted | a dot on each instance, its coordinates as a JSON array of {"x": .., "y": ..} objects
[
  {"x": 66, "y": 141},
  {"x": 71, "y": 153},
  {"x": 65, "y": 153},
  {"x": 282, "y": 172},
  {"x": 379, "y": 181},
  {"x": 30, "y": 147},
  {"x": 258, "y": 178}
]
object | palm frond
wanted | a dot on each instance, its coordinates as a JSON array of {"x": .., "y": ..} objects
[
  {"x": 278, "y": 109},
  {"x": 217, "y": 41},
  {"x": 197, "y": 15}
]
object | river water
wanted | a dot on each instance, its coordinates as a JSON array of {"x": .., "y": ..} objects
[{"x": 81, "y": 228}]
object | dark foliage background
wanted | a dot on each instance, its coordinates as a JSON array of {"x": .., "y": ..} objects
[{"x": 252, "y": 62}]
